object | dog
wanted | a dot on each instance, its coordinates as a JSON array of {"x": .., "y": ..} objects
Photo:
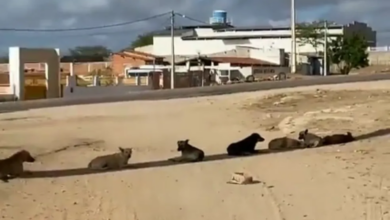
[
  {"x": 310, "y": 140},
  {"x": 338, "y": 139},
  {"x": 112, "y": 161},
  {"x": 12, "y": 167},
  {"x": 189, "y": 153},
  {"x": 285, "y": 143},
  {"x": 244, "y": 147}
]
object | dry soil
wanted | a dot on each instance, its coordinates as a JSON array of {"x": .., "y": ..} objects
[{"x": 349, "y": 182}]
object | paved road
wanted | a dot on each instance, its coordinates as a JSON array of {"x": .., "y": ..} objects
[{"x": 188, "y": 92}]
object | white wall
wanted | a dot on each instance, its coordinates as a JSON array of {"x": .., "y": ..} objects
[
  {"x": 270, "y": 54},
  {"x": 93, "y": 91},
  {"x": 162, "y": 46},
  {"x": 18, "y": 56}
]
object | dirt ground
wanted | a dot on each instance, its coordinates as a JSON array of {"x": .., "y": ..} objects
[{"x": 349, "y": 182}]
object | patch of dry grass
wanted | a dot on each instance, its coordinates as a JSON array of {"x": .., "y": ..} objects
[{"x": 272, "y": 109}]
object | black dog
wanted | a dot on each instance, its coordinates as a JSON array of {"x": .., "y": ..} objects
[
  {"x": 338, "y": 139},
  {"x": 246, "y": 146},
  {"x": 285, "y": 143},
  {"x": 189, "y": 153}
]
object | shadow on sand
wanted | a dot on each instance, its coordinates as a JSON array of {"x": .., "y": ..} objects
[
  {"x": 165, "y": 163},
  {"x": 374, "y": 134}
]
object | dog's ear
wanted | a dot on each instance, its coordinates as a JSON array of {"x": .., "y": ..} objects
[
  {"x": 121, "y": 149},
  {"x": 186, "y": 141},
  {"x": 306, "y": 131}
]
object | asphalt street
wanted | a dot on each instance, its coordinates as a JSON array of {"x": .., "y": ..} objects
[{"x": 187, "y": 92}]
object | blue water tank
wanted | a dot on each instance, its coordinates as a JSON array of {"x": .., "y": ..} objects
[{"x": 219, "y": 17}]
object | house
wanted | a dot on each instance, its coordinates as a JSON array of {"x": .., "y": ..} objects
[{"x": 131, "y": 59}]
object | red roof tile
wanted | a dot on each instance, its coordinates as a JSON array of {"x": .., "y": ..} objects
[
  {"x": 134, "y": 55},
  {"x": 141, "y": 53}
]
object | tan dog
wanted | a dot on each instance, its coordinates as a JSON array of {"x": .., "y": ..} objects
[
  {"x": 285, "y": 143},
  {"x": 111, "y": 161},
  {"x": 12, "y": 167},
  {"x": 189, "y": 153}
]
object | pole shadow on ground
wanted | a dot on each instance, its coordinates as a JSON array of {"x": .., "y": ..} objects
[{"x": 165, "y": 163}]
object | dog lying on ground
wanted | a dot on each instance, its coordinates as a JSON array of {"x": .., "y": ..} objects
[
  {"x": 310, "y": 140},
  {"x": 112, "y": 161},
  {"x": 338, "y": 139},
  {"x": 189, "y": 153},
  {"x": 246, "y": 146},
  {"x": 12, "y": 167},
  {"x": 285, "y": 143}
]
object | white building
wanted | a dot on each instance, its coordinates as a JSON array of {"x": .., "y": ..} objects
[{"x": 209, "y": 39}]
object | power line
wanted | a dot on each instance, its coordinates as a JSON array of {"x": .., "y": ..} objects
[
  {"x": 119, "y": 33},
  {"x": 190, "y": 18},
  {"x": 83, "y": 28},
  {"x": 163, "y": 23}
]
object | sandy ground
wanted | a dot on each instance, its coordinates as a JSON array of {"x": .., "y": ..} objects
[{"x": 349, "y": 182}]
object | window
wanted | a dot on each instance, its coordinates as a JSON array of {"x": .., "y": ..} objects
[
  {"x": 224, "y": 72},
  {"x": 141, "y": 74}
]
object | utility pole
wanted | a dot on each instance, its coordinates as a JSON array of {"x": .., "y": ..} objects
[
  {"x": 173, "y": 50},
  {"x": 325, "y": 48},
  {"x": 293, "y": 54},
  {"x": 199, "y": 69}
]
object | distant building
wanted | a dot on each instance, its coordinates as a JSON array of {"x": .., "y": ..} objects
[{"x": 221, "y": 36}]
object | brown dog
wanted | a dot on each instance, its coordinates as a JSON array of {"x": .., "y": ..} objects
[
  {"x": 310, "y": 140},
  {"x": 12, "y": 167}
]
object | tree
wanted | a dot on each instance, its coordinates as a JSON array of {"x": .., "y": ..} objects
[
  {"x": 4, "y": 59},
  {"x": 348, "y": 52},
  {"x": 142, "y": 40},
  {"x": 90, "y": 51},
  {"x": 310, "y": 33}
]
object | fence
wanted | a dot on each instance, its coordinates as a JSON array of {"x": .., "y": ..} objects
[{"x": 79, "y": 68}]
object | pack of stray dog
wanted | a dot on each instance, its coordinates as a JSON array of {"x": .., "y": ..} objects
[{"x": 12, "y": 167}]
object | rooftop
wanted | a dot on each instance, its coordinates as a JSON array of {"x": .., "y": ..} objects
[{"x": 179, "y": 31}]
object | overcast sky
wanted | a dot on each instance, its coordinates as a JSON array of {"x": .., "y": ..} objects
[{"x": 82, "y": 13}]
